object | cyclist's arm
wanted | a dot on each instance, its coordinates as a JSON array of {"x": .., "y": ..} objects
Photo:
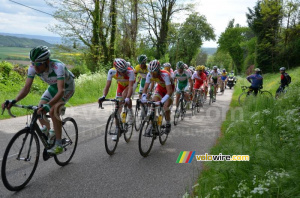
[
  {"x": 60, "y": 93},
  {"x": 191, "y": 84},
  {"x": 25, "y": 90},
  {"x": 130, "y": 89},
  {"x": 146, "y": 88},
  {"x": 107, "y": 86}
]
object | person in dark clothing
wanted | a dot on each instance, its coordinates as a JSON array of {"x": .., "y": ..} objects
[
  {"x": 256, "y": 81},
  {"x": 285, "y": 79}
]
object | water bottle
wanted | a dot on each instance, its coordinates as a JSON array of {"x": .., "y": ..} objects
[
  {"x": 123, "y": 117},
  {"x": 51, "y": 137},
  {"x": 159, "y": 121},
  {"x": 44, "y": 130}
]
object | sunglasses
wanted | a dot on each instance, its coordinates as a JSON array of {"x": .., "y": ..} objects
[{"x": 37, "y": 64}]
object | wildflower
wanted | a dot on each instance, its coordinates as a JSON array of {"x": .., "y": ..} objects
[{"x": 266, "y": 112}]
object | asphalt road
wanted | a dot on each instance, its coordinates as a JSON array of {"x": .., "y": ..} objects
[{"x": 93, "y": 173}]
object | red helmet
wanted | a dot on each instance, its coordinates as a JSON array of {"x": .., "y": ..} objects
[{"x": 120, "y": 64}]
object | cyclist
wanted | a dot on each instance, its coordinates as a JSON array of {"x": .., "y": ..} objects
[
  {"x": 256, "y": 81},
  {"x": 192, "y": 69},
  {"x": 215, "y": 76},
  {"x": 231, "y": 75},
  {"x": 163, "y": 91},
  {"x": 186, "y": 67},
  {"x": 125, "y": 77},
  {"x": 167, "y": 67},
  {"x": 285, "y": 79},
  {"x": 61, "y": 89},
  {"x": 224, "y": 79},
  {"x": 206, "y": 87},
  {"x": 183, "y": 79},
  {"x": 142, "y": 70},
  {"x": 200, "y": 79}
]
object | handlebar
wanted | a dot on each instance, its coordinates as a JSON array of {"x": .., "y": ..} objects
[
  {"x": 112, "y": 100},
  {"x": 31, "y": 107}
]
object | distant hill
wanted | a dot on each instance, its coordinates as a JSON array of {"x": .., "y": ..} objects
[
  {"x": 49, "y": 39},
  {"x": 209, "y": 51},
  {"x": 12, "y": 41}
]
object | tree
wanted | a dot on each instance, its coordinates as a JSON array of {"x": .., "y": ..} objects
[
  {"x": 191, "y": 35},
  {"x": 157, "y": 15},
  {"x": 230, "y": 41},
  {"x": 90, "y": 23}
]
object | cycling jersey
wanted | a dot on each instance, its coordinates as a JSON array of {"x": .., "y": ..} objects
[
  {"x": 182, "y": 80},
  {"x": 171, "y": 73},
  {"x": 256, "y": 80},
  {"x": 199, "y": 79},
  {"x": 224, "y": 76},
  {"x": 142, "y": 72},
  {"x": 215, "y": 75},
  {"x": 122, "y": 80},
  {"x": 162, "y": 81},
  {"x": 57, "y": 71}
]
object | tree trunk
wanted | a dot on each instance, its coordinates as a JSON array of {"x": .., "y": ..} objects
[{"x": 113, "y": 16}]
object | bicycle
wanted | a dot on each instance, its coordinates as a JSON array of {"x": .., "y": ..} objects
[
  {"x": 222, "y": 87},
  {"x": 21, "y": 156},
  {"x": 181, "y": 109},
  {"x": 281, "y": 91},
  {"x": 139, "y": 115},
  {"x": 121, "y": 123},
  {"x": 152, "y": 127},
  {"x": 212, "y": 95},
  {"x": 243, "y": 97},
  {"x": 198, "y": 101}
]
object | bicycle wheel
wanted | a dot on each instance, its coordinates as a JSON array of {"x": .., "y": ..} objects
[
  {"x": 163, "y": 136},
  {"x": 211, "y": 96},
  {"x": 146, "y": 138},
  {"x": 243, "y": 98},
  {"x": 128, "y": 130},
  {"x": 110, "y": 131},
  {"x": 137, "y": 116},
  {"x": 266, "y": 94},
  {"x": 20, "y": 160},
  {"x": 199, "y": 102},
  {"x": 69, "y": 137},
  {"x": 177, "y": 114},
  {"x": 182, "y": 111}
]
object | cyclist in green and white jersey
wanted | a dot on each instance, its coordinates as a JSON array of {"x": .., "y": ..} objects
[
  {"x": 215, "y": 77},
  {"x": 184, "y": 82},
  {"x": 61, "y": 89}
]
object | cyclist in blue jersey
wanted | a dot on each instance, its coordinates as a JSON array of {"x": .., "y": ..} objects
[{"x": 256, "y": 81}]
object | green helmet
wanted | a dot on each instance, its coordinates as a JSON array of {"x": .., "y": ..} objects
[
  {"x": 39, "y": 54},
  {"x": 180, "y": 65},
  {"x": 142, "y": 59}
]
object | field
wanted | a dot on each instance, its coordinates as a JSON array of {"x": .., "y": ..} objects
[{"x": 14, "y": 53}]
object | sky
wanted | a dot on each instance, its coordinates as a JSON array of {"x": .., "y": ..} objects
[{"x": 17, "y": 19}]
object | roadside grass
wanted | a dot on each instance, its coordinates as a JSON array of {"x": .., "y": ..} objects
[
  {"x": 267, "y": 131},
  {"x": 89, "y": 88}
]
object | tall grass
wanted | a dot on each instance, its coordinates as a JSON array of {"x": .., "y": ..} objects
[
  {"x": 88, "y": 88},
  {"x": 266, "y": 130}
]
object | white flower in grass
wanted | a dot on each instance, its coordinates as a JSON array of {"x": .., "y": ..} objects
[
  {"x": 207, "y": 196},
  {"x": 217, "y": 188},
  {"x": 266, "y": 112},
  {"x": 195, "y": 185},
  {"x": 256, "y": 122},
  {"x": 260, "y": 190},
  {"x": 254, "y": 178},
  {"x": 256, "y": 114},
  {"x": 186, "y": 195}
]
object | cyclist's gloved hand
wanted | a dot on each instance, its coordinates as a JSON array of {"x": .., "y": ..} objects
[
  {"x": 8, "y": 104},
  {"x": 144, "y": 98},
  {"x": 101, "y": 99},
  {"x": 165, "y": 98},
  {"x": 127, "y": 100},
  {"x": 46, "y": 107}
]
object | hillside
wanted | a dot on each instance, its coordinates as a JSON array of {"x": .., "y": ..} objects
[
  {"x": 11, "y": 41},
  {"x": 209, "y": 51}
]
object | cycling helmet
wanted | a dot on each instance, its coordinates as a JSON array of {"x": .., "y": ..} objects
[
  {"x": 191, "y": 67},
  {"x": 120, "y": 65},
  {"x": 180, "y": 65},
  {"x": 154, "y": 66},
  {"x": 39, "y": 54},
  {"x": 167, "y": 65},
  {"x": 224, "y": 70},
  {"x": 142, "y": 59},
  {"x": 282, "y": 69},
  {"x": 199, "y": 67},
  {"x": 128, "y": 64},
  {"x": 257, "y": 70},
  {"x": 186, "y": 66},
  {"x": 215, "y": 67}
]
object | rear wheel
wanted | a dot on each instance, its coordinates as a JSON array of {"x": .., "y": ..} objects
[
  {"x": 177, "y": 114},
  {"x": 137, "y": 116},
  {"x": 20, "y": 160},
  {"x": 146, "y": 138},
  {"x": 69, "y": 137},
  {"x": 110, "y": 133}
]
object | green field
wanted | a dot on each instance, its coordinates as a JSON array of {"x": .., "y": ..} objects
[{"x": 14, "y": 53}]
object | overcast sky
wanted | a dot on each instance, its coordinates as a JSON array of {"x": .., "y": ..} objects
[{"x": 17, "y": 19}]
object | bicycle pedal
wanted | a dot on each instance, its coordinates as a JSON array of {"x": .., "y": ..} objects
[{"x": 46, "y": 155}]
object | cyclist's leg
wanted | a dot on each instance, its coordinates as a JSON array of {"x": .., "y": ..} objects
[{"x": 46, "y": 97}]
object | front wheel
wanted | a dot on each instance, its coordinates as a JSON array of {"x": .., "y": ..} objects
[
  {"x": 128, "y": 130},
  {"x": 20, "y": 160},
  {"x": 243, "y": 98},
  {"x": 163, "y": 136},
  {"x": 111, "y": 135},
  {"x": 146, "y": 137},
  {"x": 137, "y": 116},
  {"x": 69, "y": 137}
]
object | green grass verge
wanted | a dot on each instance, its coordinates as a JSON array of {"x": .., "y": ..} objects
[
  {"x": 266, "y": 130},
  {"x": 89, "y": 87}
]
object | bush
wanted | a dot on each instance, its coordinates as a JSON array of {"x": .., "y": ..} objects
[
  {"x": 5, "y": 68},
  {"x": 79, "y": 70}
]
